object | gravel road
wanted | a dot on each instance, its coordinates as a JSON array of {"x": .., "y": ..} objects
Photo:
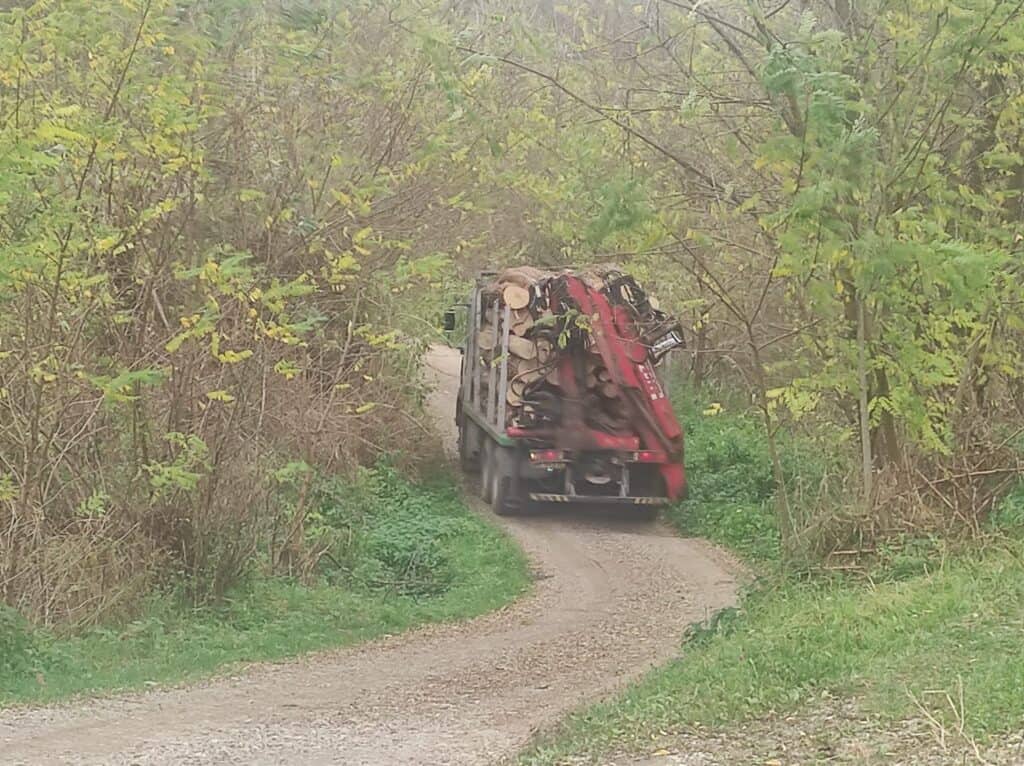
[{"x": 611, "y": 600}]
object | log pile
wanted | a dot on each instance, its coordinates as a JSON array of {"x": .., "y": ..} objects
[{"x": 543, "y": 330}]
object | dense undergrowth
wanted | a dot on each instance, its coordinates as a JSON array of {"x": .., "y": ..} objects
[
  {"x": 214, "y": 266},
  {"x": 730, "y": 481},
  {"x": 731, "y": 488},
  {"x": 925, "y": 624},
  {"x": 398, "y": 554}
]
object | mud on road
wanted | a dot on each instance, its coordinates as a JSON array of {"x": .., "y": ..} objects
[{"x": 611, "y": 600}]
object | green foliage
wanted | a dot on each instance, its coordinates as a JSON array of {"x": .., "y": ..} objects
[
  {"x": 731, "y": 487},
  {"x": 270, "y": 618},
  {"x": 182, "y": 474},
  {"x": 890, "y": 643},
  {"x": 1009, "y": 512},
  {"x": 17, "y": 643},
  {"x": 405, "y": 552},
  {"x": 624, "y": 209},
  {"x": 384, "y": 533},
  {"x": 228, "y": 285},
  {"x": 869, "y": 221},
  {"x": 900, "y": 558}
]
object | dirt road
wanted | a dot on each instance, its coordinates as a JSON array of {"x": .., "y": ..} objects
[{"x": 611, "y": 600}]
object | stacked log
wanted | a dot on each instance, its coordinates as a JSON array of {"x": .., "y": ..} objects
[{"x": 537, "y": 336}]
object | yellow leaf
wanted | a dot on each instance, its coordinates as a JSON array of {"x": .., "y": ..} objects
[
  {"x": 107, "y": 243},
  {"x": 250, "y": 195},
  {"x": 234, "y": 357},
  {"x": 364, "y": 408},
  {"x": 287, "y": 368},
  {"x": 220, "y": 396}
]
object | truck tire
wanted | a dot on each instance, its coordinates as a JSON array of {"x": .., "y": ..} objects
[
  {"x": 647, "y": 513},
  {"x": 469, "y": 460},
  {"x": 503, "y": 500},
  {"x": 469, "y": 439},
  {"x": 500, "y": 495},
  {"x": 487, "y": 460}
]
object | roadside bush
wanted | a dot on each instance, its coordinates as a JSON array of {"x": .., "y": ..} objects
[
  {"x": 1009, "y": 512},
  {"x": 732, "y": 497},
  {"x": 405, "y": 552},
  {"x": 200, "y": 298},
  {"x": 17, "y": 643},
  {"x": 729, "y": 476},
  {"x": 904, "y": 557},
  {"x": 383, "y": 532}
]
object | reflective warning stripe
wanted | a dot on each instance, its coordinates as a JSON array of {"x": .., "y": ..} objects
[{"x": 546, "y": 497}]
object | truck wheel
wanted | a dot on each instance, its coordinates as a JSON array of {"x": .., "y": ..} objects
[
  {"x": 500, "y": 495},
  {"x": 487, "y": 461},
  {"x": 469, "y": 439},
  {"x": 647, "y": 513},
  {"x": 503, "y": 466},
  {"x": 468, "y": 459}
]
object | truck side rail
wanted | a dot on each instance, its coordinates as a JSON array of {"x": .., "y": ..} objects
[{"x": 487, "y": 411}]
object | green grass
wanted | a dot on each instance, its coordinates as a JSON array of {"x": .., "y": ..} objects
[
  {"x": 730, "y": 482},
  {"x": 929, "y": 623},
  {"x": 885, "y": 645},
  {"x": 385, "y": 587},
  {"x": 730, "y": 479}
]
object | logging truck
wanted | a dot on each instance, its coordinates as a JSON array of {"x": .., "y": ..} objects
[{"x": 560, "y": 400}]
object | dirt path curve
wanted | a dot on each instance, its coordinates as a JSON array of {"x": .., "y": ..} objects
[{"x": 611, "y": 601}]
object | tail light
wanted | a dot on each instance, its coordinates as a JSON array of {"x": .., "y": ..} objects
[
  {"x": 650, "y": 456},
  {"x": 547, "y": 456}
]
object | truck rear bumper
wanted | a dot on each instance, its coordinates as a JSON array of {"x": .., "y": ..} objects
[{"x": 547, "y": 497}]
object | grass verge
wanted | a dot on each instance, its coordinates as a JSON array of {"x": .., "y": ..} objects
[
  {"x": 942, "y": 633},
  {"x": 892, "y": 646},
  {"x": 418, "y": 556}
]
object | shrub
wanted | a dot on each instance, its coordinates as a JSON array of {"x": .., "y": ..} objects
[
  {"x": 732, "y": 490},
  {"x": 17, "y": 643},
  {"x": 1009, "y": 512},
  {"x": 385, "y": 533}
]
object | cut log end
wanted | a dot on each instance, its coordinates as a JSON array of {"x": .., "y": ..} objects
[{"x": 516, "y": 297}]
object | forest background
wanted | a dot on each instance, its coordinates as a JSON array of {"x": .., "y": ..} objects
[{"x": 228, "y": 228}]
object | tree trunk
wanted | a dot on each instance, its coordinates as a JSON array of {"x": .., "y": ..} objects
[
  {"x": 867, "y": 465},
  {"x": 885, "y": 438}
]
